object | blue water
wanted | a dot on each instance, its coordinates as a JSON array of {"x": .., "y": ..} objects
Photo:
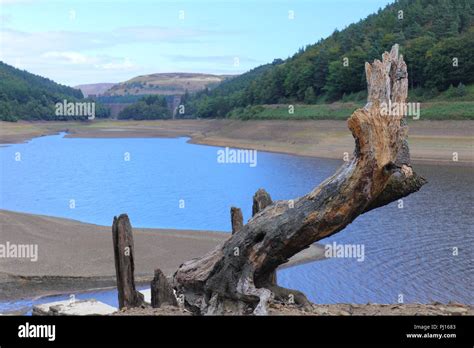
[
  {"x": 161, "y": 172},
  {"x": 408, "y": 251}
]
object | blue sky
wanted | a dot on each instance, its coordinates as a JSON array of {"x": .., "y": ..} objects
[{"x": 82, "y": 41}]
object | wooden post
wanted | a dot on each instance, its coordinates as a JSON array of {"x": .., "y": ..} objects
[
  {"x": 236, "y": 218},
  {"x": 161, "y": 291},
  {"x": 122, "y": 235}
]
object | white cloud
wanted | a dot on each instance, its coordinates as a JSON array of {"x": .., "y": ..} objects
[
  {"x": 91, "y": 62},
  {"x": 5, "y": 18},
  {"x": 225, "y": 59},
  {"x": 123, "y": 65},
  {"x": 24, "y": 43},
  {"x": 104, "y": 62},
  {"x": 70, "y": 57},
  {"x": 75, "y": 57}
]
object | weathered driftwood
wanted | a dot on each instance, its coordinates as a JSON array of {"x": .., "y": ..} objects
[
  {"x": 122, "y": 235},
  {"x": 161, "y": 291},
  {"x": 236, "y": 219},
  {"x": 236, "y": 275}
]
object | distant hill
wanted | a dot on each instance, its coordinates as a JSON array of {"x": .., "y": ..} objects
[
  {"x": 94, "y": 88},
  {"x": 166, "y": 84},
  {"x": 436, "y": 38}
]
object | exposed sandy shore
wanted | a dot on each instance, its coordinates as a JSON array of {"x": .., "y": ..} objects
[
  {"x": 430, "y": 141},
  {"x": 339, "y": 309},
  {"x": 75, "y": 249},
  {"x": 73, "y": 255}
]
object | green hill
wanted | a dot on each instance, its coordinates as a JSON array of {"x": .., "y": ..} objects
[
  {"x": 436, "y": 38},
  {"x": 31, "y": 97},
  {"x": 218, "y": 101}
]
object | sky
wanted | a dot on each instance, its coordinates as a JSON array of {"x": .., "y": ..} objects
[{"x": 83, "y": 41}]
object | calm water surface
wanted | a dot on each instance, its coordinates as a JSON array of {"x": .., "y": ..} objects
[{"x": 408, "y": 251}]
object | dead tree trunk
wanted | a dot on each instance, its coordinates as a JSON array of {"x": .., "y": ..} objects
[
  {"x": 161, "y": 291},
  {"x": 235, "y": 275},
  {"x": 261, "y": 200},
  {"x": 122, "y": 236},
  {"x": 236, "y": 218}
]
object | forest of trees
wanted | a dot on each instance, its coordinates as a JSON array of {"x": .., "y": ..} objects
[
  {"x": 436, "y": 38},
  {"x": 31, "y": 97},
  {"x": 150, "y": 107}
]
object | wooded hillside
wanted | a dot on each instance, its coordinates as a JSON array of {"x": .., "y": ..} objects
[{"x": 436, "y": 38}]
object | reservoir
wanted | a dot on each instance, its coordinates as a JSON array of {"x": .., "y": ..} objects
[{"x": 417, "y": 250}]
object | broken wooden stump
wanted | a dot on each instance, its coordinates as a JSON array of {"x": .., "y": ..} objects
[
  {"x": 261, "y": 200},
  {"x": 122, "y": 235},
  {"x": 236, "y": 218},
  {"x": 161, "y": 291}
]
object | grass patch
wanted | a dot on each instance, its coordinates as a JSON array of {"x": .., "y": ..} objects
[
  {"x": 336, "y": 111},
  {"x": 442, "y": 110},
  {"x": 458, "y": 110}
]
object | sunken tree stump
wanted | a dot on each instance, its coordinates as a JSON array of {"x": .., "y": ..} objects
[
  {"x": 161, "y": 291},
  {"x": 236, "y": 219},
  {"x": 122, "y": 236}
]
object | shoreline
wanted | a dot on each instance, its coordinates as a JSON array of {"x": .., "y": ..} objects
[
  {"x": 73, "y": 255},
  {"x": 335, "y": 309},
  {"x": 77, "y": 256},
  {"x": 275, "y": 308},
  {"x": 97, "y": 275},
  {"x": 431, "y": 142},
  {"x": 263, "y": 148}
]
